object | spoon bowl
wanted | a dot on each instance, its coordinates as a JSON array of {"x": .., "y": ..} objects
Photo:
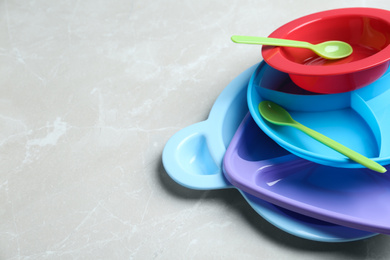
[
  {"x": 331, "y": 50},
  {"x": 276, "y": 114}
]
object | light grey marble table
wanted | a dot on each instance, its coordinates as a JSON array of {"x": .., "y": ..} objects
[{"x": 90, "y": 92}]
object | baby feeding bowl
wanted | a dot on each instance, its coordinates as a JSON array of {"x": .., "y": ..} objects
[
  {"x": 356, "y": 198},
  {"x": 367, "y": 30},
  {"x": 193, "y": 158},
  {"x": 359, "y": 120}
]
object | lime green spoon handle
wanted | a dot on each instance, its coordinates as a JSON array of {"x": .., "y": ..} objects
[
  {"x": 270, "y": 41},
  {"x": 357, "y": 157},
  {"x": 277, "y": 115},
  {"x": 327, "y": 50}
]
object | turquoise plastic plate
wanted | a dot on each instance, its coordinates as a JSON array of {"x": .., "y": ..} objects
[
  {"x": 358, "y": 119},
  {"x": 193, "y": 158}
]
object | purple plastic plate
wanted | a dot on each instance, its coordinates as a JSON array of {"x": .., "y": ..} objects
[{"x": 352, "y": 197}]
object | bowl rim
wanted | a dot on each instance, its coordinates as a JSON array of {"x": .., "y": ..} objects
[{"x": 274, "y": 57}]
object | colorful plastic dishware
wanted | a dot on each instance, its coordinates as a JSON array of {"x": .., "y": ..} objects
[
  {"x": 330, "y": 50},
  {"x": 359, "y": 120},
  {"x": 275, "y": 114},
  {"x": 365, "y": 29},
  {"x": 356, "y": 198},
  {"x": 193, "y": 158}
]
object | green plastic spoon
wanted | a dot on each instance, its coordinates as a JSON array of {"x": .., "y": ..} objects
[
  {"x": 276, "y": 114},
  {"x": 329, "y": 50}
]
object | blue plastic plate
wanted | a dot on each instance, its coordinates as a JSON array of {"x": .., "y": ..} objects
[
  {"x": 193, "y": 158},
  {"x": 359, "y": 119}
]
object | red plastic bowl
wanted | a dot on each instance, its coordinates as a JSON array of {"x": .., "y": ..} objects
[{"x": 366, "y": 29}]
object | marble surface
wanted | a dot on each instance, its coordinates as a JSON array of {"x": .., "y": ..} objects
[{"x": 90, "y": 92}]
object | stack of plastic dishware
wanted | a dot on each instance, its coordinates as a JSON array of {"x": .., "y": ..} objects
[{"x": 293, "y": 181}]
